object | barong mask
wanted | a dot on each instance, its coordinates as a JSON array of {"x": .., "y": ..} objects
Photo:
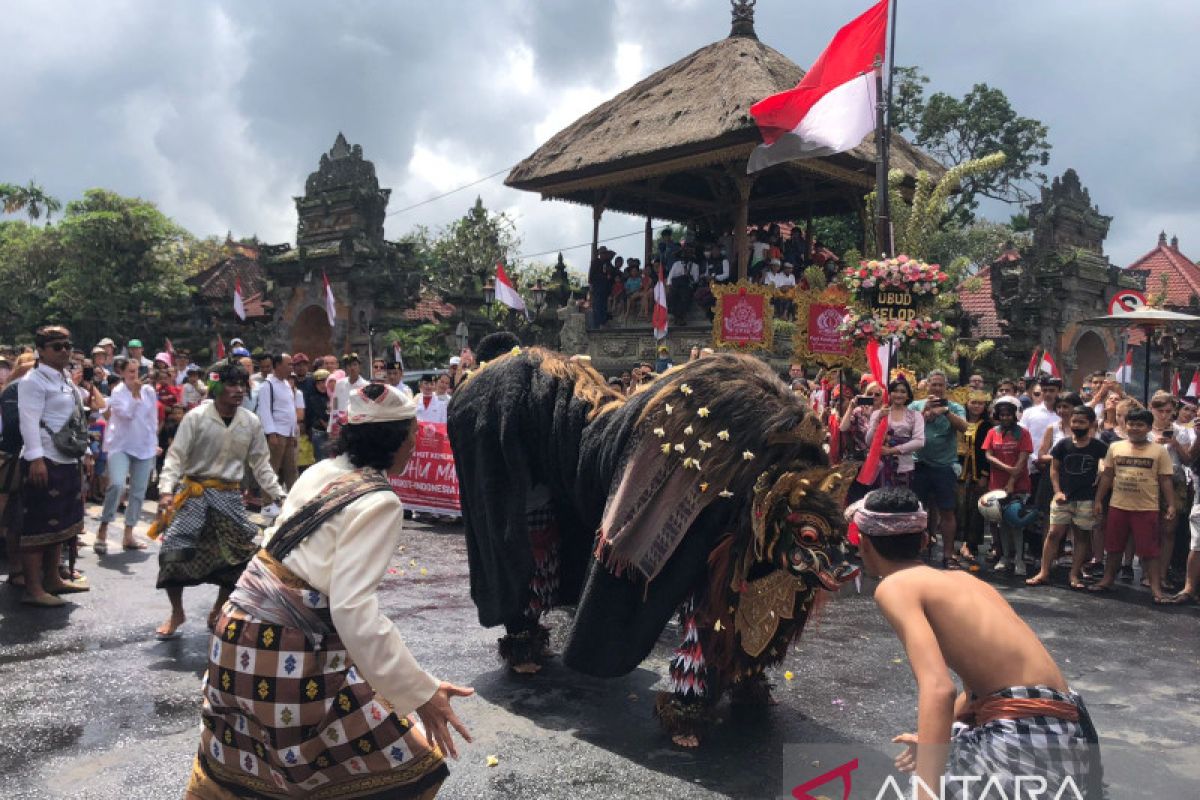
[{"x": 797, "y": 526}]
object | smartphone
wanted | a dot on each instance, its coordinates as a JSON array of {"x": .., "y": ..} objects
[
  {"x": 89, "y": 374},
  {"x": 864, "y": 401},
  {"x": 1168, "y": 433}
]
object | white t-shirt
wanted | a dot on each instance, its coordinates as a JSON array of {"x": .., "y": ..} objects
[
  {"x": 341, "y": 394},
  {"x": 1035, "y": 420},
  {"x": 432, "y": 408}
]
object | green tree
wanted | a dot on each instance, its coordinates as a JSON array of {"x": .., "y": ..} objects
[
  {"x": 30, "y": 259},
  {"x": 31, "y": 198},
  {"x": 461, "y": 257},
  {"x": 957, "y": 130},
  {"x": 122, "y": 267}
]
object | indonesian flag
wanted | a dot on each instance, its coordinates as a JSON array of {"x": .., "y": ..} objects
[
  {"x": 506, "y": 294},
  {"x": 239, "y": 307},
  {"x": 1048, "y": 366},
  {"x": 660, "y": 306},
  {"x": 833, "y": 107},
  {"x": 1031, "y": 371},
  {"x": 1125, "y": 371},
  {"x": 330, "y": 303},
  {"x": 1194, "y": 387},
  {"x": 877, "y": 361},
  {"x": 1175, "y": 387},
  {"x": 220, "y": 348},
  {"x": 397, "y": 354},
  {"x": 170, "y": 348}
]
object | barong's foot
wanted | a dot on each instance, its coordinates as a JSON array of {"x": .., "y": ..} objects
[
  {"x": 751, "y": 692},
  {"x": 170, "y": 628},
  {"x": 684, "y": 720},
  {"x": 527, "y": 651}
]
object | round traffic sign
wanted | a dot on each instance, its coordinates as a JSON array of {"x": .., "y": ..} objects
[{"x": 1126, "y": 301}]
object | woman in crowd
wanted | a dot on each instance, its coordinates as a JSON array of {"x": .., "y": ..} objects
[
  {"x": 905, "y": 435},
  {"x": 857, "y": 421},
  {"x": 130, "y": 440},
  {"x": 10, "y": 466},
  {"x": 973, "y": 480}
]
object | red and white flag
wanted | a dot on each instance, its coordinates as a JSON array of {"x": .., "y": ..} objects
[
  {"x": 506, "y": 293},
  {"x": 1048, "y": 366},
  {"x": 833, "y": 107},
  {"x": 170, "y": 349},
  {"x": 1175, "y": 385},
  {"x": 877, "y": 362},
  {"x": 1193, "y": 389},
  {"x": 660, "y": 306},
  {"x": 330, "y": 303},
  {"x": 1031, "y": 371},
  {"x": 1125, "y": 371},
  {"x": 397, "y": 355},
  {"x": 220, "y": 348},
  {"x": 239, "y": 306}
]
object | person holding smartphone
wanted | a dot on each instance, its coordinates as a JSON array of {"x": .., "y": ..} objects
[{"x": 131, "y": 442}]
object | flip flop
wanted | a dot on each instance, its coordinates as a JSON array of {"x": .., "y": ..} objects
[
  {"x": 71, "y": 588},
  {"x": 166, "y": 637},
  {"x": 1098, "y": 589},
  {"x": 1182, "y": 598},
  {"x": 1163, "y": 600},
  {"x": 100, "y": 548},
  {"x": 1036, "y": 581},
  {"x": 1078, "y": 586},
  {"x": 136, "y": 545},
  {"x": 951, "y": 563},
  {"x": 47, "y": 601}
]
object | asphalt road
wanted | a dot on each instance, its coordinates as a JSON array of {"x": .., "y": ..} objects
[{"x": 91, "y": 706}]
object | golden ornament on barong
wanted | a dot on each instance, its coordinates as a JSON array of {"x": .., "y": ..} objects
[
  {"x": 702, "y": 411},
  {"x": 723, "y": 436},
  {"x": 763, "y": 603},
  {"x": 688, "y": 431},
  {"x": 685, "y": 388}
]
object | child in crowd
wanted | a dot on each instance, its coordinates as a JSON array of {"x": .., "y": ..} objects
[{"x": 1008, "y": 447}]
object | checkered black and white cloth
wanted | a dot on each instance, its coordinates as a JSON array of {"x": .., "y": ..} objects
[{"x": 1005, "y": 749}]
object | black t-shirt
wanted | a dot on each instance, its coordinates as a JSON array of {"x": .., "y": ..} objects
[{"x": 1078, "y": 467}]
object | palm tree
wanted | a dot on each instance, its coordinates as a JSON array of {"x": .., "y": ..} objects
[{"x": 31, "y": 199}]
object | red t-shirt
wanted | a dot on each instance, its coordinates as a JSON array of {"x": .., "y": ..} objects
[{"x": 1008, "y": 449}]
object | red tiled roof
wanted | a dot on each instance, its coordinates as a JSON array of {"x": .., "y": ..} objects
[
  {"x": 215, "y": 284},
  {"x": 1182, "y": 275},
  {"x": 430, "y": 308},
  {"x": 979, "y": 304}
]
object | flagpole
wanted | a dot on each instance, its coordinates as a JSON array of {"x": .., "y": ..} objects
[{"x": 883, "y": 120}]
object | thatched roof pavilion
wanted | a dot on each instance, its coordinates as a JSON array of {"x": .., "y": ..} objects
[{"x": 675, "y": 145}]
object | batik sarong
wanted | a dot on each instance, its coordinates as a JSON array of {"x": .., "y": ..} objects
[
  {"x": 1025, "y": 731},
  {"x": 53, "y": 513},
  {"x": 285, "y": 712},
  {"x": 209, "y": 540}
]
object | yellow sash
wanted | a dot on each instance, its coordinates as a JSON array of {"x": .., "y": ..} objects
[{"x": 190, "y": 488}]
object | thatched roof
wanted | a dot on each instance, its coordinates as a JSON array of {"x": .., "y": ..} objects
[{"x": 694, "y": 114}]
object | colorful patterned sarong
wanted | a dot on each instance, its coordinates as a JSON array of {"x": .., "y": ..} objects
[
  {"x": 54, "y": 513},
  {"x": 209, "y": 539},
  {"x": 287, "y": 716},
  {"x": 1026, "y": 731}
]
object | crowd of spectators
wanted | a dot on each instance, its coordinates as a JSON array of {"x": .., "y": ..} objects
[
  {"x": 79, "y": 426},
  {"x": 622, "y": 289}
]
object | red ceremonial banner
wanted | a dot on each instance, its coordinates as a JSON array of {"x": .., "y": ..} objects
[
  {"x": 429, "y": 484},
  {"x": 742, "y": 319},
  {"x": 824, "y": 338}
]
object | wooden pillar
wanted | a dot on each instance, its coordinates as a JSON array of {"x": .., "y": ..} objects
[
  {"x": 741, "y": 221},
  {"x": 597, "y": 211},
  {"x": 649, "y": 242}
]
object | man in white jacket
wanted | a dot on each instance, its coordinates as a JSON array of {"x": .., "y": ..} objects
[{"x": 303, "y": 636}]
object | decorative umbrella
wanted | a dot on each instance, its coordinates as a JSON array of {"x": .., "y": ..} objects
[{"x": 1148, "y": 318}]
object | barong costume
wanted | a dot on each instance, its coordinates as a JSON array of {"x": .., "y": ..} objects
[
  {"x": 208, "y": 538},
  {"x": 310, "y": 689},
  {"x": 1019, "y": 732}
]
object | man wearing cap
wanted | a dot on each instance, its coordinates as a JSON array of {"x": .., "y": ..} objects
[
  {"x": 100, "y": 364},
  {"x": 206, "y": 537},
  {"x": 347, "y": 385},
  {"x": 109, "y": 346},
  {"x": 137, "y": 354},
  {"x": 344, "y": 694}
]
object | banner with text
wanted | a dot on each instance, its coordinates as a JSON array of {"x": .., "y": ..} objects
[{"x": 429, "y": 484}]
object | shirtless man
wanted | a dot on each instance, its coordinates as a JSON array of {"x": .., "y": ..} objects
[{"x": 951, "y": 621}]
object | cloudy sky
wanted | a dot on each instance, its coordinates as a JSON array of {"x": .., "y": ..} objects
[{"x": 217, "y": 110}]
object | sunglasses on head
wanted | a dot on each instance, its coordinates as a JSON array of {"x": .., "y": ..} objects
[{"x": 58, "y": 347}]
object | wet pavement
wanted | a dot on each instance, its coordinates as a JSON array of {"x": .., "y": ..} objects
[{"x": 91, "y": 706}]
